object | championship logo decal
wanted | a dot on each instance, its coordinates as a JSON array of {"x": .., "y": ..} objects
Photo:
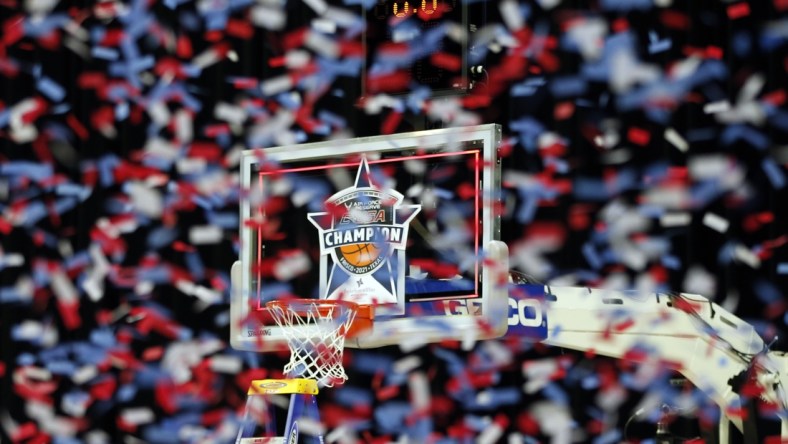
[{"x": 363, "y": 238}]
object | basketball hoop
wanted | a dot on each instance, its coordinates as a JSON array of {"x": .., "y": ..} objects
[{"x": 315, "y": 331}]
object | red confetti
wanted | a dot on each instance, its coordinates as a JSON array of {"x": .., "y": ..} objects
[
  {"x": 13, "y": 30},
  {"x": 213, "y": 417},
  {"x": 639, "y": 136},
  {"x": 446, "y": 61},
  {"x": 295, "y": 39},
  {"x": 165, "y": 397},
  {"x": 69, "y": 313},
  {"x": 350, "y": 49},
  {"x": 474, "y": 101},
  {"x": 208, "y": 151},
  {"x": 77, "y": 127},
  {"x": 392, "y": 82},
  {"x": 112, "y": 37},
  {"x": 675, "y": 19},
  {"x": 623, "y": 326},
  {"x": 564, "y": 110},
  {"x": 24, "y": 432},
  {"x": 170, "y": 67},
  {"x": 391, "y": 123},
  {"x": 103, "y": 117},
  {"x": 183, "y": 47},
  {"x": 104, "y": 389},
  {"x": 246, "y": 83},
  {"x": 5, "y": 226},
  {"x": 738, "y": 10},
  {"x": 714, "y": 52},
  {"x": 620, "y": 25},
  {"x": 388, "y": 392},
  {"x": 555, "y": 149},
  {"x": 38, "y": 110},
  {"x": 776, "y": 98},
  {"x": 240, "y": 28}
]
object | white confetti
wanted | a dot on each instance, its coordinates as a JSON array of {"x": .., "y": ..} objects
[
  {"x": 269, "y": 17},
  {"x": 491, "y": 434},
  {"x": 84, "y": 374},
  {"x": 205, "y": 234},
  {"x": 207, "y": 58},
  {"x": 184, "y": 129},
  {"x": 322, "y": 44},
  {"x": 716, "y": 222},
  {"x": 22, "y": 132},
  {"x": 324, "y": 25},
  {"x": 63, "y": 288},
  {"x": 588, "y": 35},
  {"x": 159, "y": 112},
  {"x": 11, "y": 260},
  {"x": 207, "y": 295},
  {"x": 510, "y": 11},
  {"x": 627, "y": 71},
  {"x": 39, "y": 7},
  {"x": 226, "y": 364},
  {"x": 297, "y": 58},
  {"x": 699, "y": 281},
  {"x": 419, "y": 389},
  {"x": 137, "y": 415},
  {"x": 319, "y": 6},
  {"x": 406, "y": 364},
  {"x": 145, "y": 199},
  {"x": 746, "y": 256},
  {"x": 191, "y": 165},
  {"x": 676, "y": 219},
  {"x": 716, "y": 107},
  {"x": 230, "y": 113},
  {"x": 94, "y": 283},
  {"x": 676, "y": 139}
]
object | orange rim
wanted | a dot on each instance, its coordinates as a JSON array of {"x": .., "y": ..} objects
[{"x": 365, "y": 314}]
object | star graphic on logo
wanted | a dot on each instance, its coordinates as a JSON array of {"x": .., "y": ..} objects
[{"x": 360, "y": 282}]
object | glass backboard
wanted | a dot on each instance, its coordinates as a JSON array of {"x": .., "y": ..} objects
[{"x": 406, "y": 223}]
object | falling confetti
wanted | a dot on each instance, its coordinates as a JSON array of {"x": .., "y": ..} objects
[{"x": 645, "y": 151}]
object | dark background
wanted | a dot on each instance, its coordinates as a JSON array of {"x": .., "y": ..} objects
[{"x": 94, "y": 134}]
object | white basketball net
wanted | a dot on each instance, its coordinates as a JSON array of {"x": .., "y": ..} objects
[{"x": 315, "y": 332}]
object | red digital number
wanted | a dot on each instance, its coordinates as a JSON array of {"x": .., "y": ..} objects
[
  {"x": 404, "y": 10},
  {"x": 429, "y": 11}
]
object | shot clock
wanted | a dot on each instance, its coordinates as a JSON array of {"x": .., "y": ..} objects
[
  {"x": 413, "y": 43},
  {"x": 404, "y": 8}
]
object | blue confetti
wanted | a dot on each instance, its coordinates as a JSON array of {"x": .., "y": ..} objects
[
  {"x": 354, "y": 397},
  {"x": 35, "y": 171},
  {"x": 767, "y": 292},
  {"x": 657, "y": 45},
  {"x": 555, "y": 393},
  {"x": 101, "y": 52},
  {"x": 736, "y": 133},
  {"x": 609, "y": 437},
  {"x": 774, "y": 172},
  {"x": 626, "y": 5},
  {"x": 592, "y": 256},
  {"x": 51, "y": 89},
  {"x": 568, "y": 86}
]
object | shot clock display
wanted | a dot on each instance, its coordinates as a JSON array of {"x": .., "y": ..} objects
[
  {"x": 408, "y": 45},
  {"x": 402, "y": 9}
]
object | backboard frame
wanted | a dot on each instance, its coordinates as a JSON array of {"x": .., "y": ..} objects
[{"x": 250, "y": 332}]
